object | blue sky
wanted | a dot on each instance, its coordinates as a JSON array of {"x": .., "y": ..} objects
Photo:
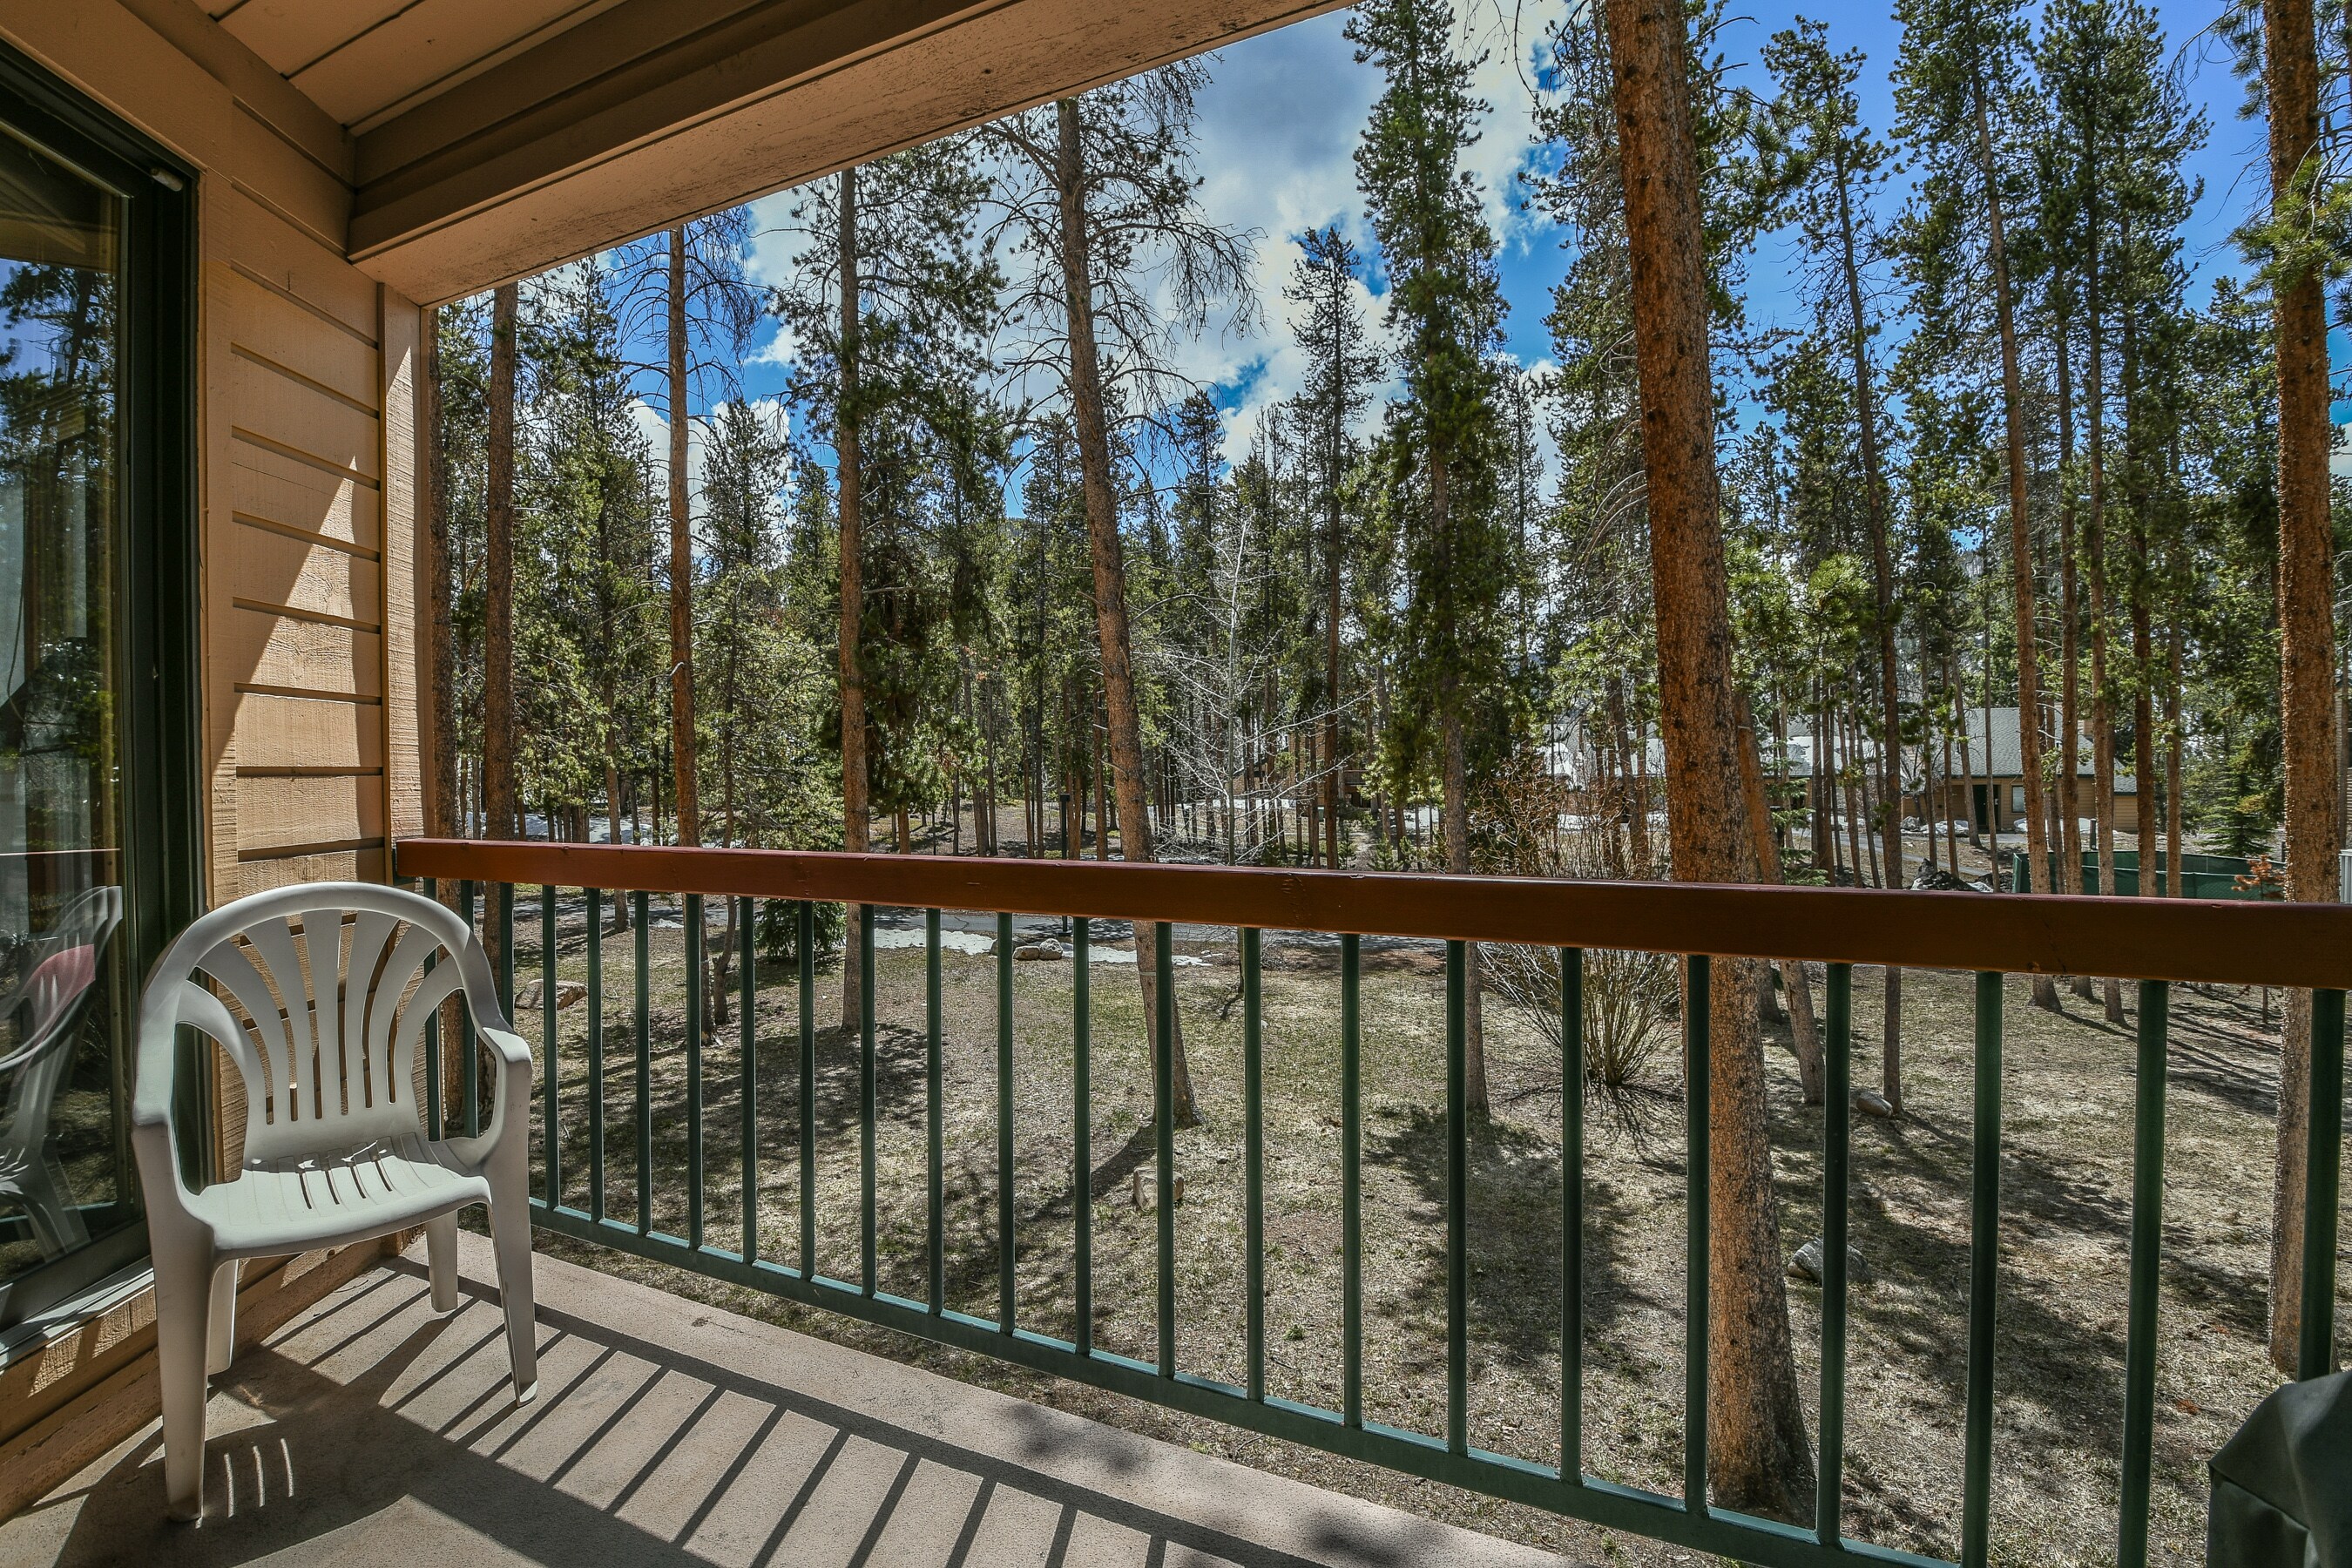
[{"x": 1279, "y": 126}]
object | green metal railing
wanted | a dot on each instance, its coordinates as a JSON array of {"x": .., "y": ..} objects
[
  {"x": 1644, "y": 912},
  {"x": 2201, "y": 876}
]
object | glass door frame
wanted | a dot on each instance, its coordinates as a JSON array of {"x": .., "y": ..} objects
[{"x": 159, "y": 676}]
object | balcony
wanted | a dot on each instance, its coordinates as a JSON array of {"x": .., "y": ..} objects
[
  {"x": 371, "y": 1431},
  {"x": 1344, "y": 1275}
]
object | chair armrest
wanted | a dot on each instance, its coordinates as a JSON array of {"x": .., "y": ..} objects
[{"x": 511, "y": 1112}]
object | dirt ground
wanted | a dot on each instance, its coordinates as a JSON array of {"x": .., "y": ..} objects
[{"x": 2066, "y": 1197}]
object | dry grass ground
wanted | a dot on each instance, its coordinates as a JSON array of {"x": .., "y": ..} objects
[{"x": 2067, "y": 1180}]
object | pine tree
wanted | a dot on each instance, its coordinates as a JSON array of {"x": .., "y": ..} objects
[
  {"x": 889, "y": 306},
  {"x": 1956, "y": 79},
  {"x": 1446, "y": 310},
  {"x": 1336, "y": 388}
]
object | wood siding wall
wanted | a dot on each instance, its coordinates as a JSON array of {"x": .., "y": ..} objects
[
  {"x": 308, "y": 439},
  {"x": 310, "y": 591}
]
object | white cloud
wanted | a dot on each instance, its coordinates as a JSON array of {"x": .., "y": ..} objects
[{"x": 1278, "y": 127}]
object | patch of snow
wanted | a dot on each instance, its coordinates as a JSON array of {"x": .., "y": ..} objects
[{"x": 888, "y": 937}]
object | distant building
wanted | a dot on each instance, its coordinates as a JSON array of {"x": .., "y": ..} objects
[{"x": 1993, "y": 796}]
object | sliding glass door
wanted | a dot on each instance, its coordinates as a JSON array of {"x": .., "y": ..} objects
[{"x": 93, "y": 398}]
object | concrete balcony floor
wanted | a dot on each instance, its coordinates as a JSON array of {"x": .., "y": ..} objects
[{"x": 370, "y": 1431}]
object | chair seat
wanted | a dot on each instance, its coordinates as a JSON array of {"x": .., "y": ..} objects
[{"x": 297, "y": 1202}]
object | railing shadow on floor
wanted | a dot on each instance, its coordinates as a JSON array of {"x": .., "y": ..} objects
[{"x": 634, "y": 1453}]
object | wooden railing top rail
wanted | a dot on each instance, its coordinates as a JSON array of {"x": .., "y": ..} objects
[{"x": 2205, "y": 941}]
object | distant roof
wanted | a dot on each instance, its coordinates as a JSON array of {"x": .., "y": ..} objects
[{"x": 2004, "y": 760}]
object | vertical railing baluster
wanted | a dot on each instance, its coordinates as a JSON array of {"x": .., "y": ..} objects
[
  {"x": 2147, "y": 1251},
  {"x": 695, "y": 937},
  {"x": 1837, "y": 1148},
  {"x": 435, "y": 1128},
  {"x": 552, "y": 1119},
  {"x": 866, "y": 1101},
  {"x": 1163, "y": 1119},
  {"x": 747, "y": 1010},
  {"x": 934, "y": 1123},
  {"x": 1698, "y": 1031},
  {"x": 804, "y": 939},
  {"x": 469, "y": 1059},
  {"x": 1004, "y": 1237},
  {"x": 1572, "y": 1215},
  {"x": 1253, "y": 1162},
  {"x": 2323, "y": 1172},
  {"x": 641, "y": 915},
  {"x": 595, "y": 1027},
  {"x": 1457, "y": 1198},
  {"x": 1351, "y": 1174},
  {"x": 1984, "y": 1276},
  {"x": 1082, "y": 1130},
  {"x": 503, "y": 903}
]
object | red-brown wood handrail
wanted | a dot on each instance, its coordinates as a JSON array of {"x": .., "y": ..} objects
[{"x": 2214, "y": 942}]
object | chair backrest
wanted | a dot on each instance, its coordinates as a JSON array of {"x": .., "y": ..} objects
[
  {"x": 63, "y": 966},
  {"x": 323, "y": 997},
  {"x": 58, "y": 972}
]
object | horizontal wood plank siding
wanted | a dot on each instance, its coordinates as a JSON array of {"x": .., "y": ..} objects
[
  {"x": 272, "y": 487},
  {"x": 295, "y": 609},
  {"x": 283, "y": 330}
]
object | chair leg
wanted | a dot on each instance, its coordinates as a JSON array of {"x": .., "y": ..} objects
[
  {"x": 182, "y": 1291},
  {"x": 510, "y": 1240},
  {"x": 221, "y": 1338},
  {"x": 441, "y": 1260}
]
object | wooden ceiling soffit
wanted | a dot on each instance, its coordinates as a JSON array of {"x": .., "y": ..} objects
[{"x": 661, "y": 110}]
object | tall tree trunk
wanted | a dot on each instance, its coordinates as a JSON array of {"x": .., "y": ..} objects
[
  {"x": 1107, "y": 551},
  {"x": 2070, "y": 657},
  {"x": 498, "y": 632},
  {"x": 1882, "y": 574},
  {"x": 1757, "y": 1455},
  {"x": 2095, "y": 550},
  {"x": 682, "y": 739},
  {"x": 855, "y": 807},
  {"x": 2136, "y": 594},
  {"x": 1454, "y": 753},
  {"x": 1804, "y": 1040},
  {"x": 2069, "y": 847},
  {"x": 1820, "y": 796},
  {"x": 1335, "y": 769},
  {"x": 2306, "y": 623},
  {"x": 2020, "y": 537},
  {"x": 1969, "y": 773},
  {"x": 441, "y": 802},
  {"x": 2174, "y": 811},
  {"x": 1849, "y": 777},
  {"x": 498, "y": 571}
]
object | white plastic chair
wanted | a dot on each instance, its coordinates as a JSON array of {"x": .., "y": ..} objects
[{"x": 335, "y": 1145}]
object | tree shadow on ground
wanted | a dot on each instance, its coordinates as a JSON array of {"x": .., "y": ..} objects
[{"x": 1514, "y": 1240}]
